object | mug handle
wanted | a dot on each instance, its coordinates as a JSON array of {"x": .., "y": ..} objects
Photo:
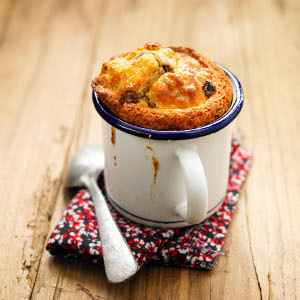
[{"x": 194, "y": 211}]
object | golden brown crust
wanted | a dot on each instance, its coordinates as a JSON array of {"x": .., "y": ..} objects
[{"x": 197, "y": 112}]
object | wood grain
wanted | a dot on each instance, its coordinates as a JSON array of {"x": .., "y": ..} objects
[{"x": 49, "y": 52}]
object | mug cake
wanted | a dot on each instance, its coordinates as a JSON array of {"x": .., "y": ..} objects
[{"x": 164, "y": 88}]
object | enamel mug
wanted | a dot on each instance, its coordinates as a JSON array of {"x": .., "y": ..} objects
[{"x": 168, "y": 178}]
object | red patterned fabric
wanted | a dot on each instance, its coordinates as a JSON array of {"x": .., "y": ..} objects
[{"x": 195, "y": 247}]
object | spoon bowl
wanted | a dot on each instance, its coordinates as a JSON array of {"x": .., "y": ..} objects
[{"x": 87, "y": 162}]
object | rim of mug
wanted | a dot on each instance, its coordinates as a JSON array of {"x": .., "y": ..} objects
[{"x": 153, "y": 134}]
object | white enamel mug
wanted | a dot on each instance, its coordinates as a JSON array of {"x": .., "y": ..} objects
[{"x": 168, "y": 178}]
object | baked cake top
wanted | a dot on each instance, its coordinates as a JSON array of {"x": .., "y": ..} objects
[{"x": 149, "y": 84}]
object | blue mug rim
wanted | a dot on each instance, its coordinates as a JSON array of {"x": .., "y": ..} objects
[{"x": 219, "y": 124}]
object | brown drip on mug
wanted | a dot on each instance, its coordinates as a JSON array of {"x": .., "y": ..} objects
[
  {"x": 155, "y": 162},
  {"x": 156, "y": 167},
  {"x": 113, "y": 135}
]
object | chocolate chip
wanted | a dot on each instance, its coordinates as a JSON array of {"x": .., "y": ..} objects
[
  {"x": 209, "y": 88},
  {"x": 167, "y": 68},
  {"x": 129, "y": 97},
  {"x": 105, "y": 68}
]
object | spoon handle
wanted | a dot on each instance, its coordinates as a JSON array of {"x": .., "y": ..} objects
[{"x": 118, "y": 259}]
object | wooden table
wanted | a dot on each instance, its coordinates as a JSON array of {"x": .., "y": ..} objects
[{"x": 50, "y": 51}]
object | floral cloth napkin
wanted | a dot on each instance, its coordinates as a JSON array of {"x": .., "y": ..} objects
[{"x": 198, "y": 246}]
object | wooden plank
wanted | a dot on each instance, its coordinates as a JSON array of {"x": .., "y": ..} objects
[
  {"x": 40, "y": 128},
  {"x": 272, "y": 134},
  {"x": 21, "y": 53}
]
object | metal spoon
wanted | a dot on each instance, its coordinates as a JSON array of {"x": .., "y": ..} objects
[{"x": 118, "y": 259}]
